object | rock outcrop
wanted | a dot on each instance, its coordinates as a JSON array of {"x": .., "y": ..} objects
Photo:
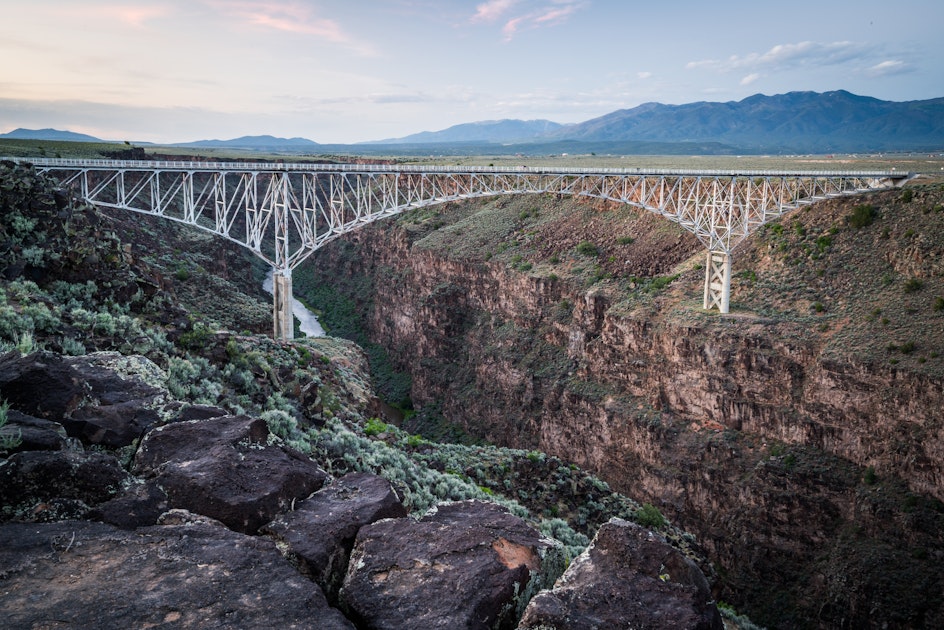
[
  {"x": 464, "y": 565},
  {"x": 628, "y": 578},
  {"x": 319, "y": 533},
  {"x": 225, "y": 469}
]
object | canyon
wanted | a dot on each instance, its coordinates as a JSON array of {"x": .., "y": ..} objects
[{"x": 800, "y": 438}]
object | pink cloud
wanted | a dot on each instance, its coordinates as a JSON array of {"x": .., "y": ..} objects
[
  {"x": 492, "y": 10},
  {"x": 132, "y": 16},
  {"x": 286, "y": 17},
  {"x": 545, "y": 13}
]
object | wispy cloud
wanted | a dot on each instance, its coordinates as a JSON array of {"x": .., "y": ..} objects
[
  {"x": 137, "y": 16},
  {"x": 750, "y": 78},
  {"x": 787, "y": 55},
  {"x": 128, "y": 16},
  {"x": 518, "y": 15},
  {"x": 888, "y": 68},
  {"x": 289, "y": 17},
  {"x": 492, "y": 10}
]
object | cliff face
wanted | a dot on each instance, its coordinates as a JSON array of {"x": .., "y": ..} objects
[{"x": 810, "y": 469}]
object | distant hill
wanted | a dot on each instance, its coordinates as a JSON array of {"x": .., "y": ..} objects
[
  {"x": 49, "y": 134},
  {"x": 498, "y": 131},
  {"x": 253, "y": 143},
  {"x": 806, "y": 122}
]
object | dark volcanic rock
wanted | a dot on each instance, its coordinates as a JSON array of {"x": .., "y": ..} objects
[
  {"x": 47, "y": 485},
  {"x": 629, "y": 577},
  {"x": 199, "y": 575},
  {"x": 111, "y": 425},
  {"x": 34, "y": 434},
  {"x": 465, "y": 565},
  {"x": 87, "y": 394},
  {"x": 320, "y": 531},
  {"x": 224, "y": 468},
  {"x": 40, "y": 384},
  {"x": 119, "y": 407},
  {"x": 141, "y": 505},
  {"x": 200, "y": 412}
]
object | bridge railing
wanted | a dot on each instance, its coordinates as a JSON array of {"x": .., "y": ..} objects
[{"x": 195, "y": 165}]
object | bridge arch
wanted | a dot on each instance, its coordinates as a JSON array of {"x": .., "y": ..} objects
[{"x": 285, "y": 212}]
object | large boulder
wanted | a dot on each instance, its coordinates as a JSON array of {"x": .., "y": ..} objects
[
  {"x": 629, "y": 577},
  {"x": 52, "y": 485},
  {"x": 102, "y": 398},
  {"x": 464, "y": 565},
  {"x": 124, "y": 393},
  {"x": 194, "y": 575},
  {"x": 226, "y": 469},
  {"x": 319, "y": 533}
]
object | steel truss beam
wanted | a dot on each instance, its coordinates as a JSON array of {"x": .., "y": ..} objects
[{"x": 285, "y": 212}]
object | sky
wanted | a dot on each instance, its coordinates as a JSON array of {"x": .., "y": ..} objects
[{"x": 347, "y": 71}]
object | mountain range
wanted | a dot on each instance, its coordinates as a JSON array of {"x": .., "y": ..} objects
[{"x": 796, "y": 122}]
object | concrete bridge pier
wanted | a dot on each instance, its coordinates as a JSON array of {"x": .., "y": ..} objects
[
  {"x": 718, "y": 281},
  {"x": 283, "y": 319}
]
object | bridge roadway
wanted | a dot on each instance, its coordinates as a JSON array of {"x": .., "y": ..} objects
[{"x": 283, "y": 212}]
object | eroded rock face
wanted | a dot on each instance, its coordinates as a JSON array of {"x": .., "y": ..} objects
[
  {"x": 320, "y": 531},
  {"x": 629, "y": 577},
  {"x": 464, "y": 565},
  {"x": 224, "y": 468},
  {"x": 195, "y": 575}
]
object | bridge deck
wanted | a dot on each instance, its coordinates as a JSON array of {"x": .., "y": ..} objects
[{"x": 317, "y": 167}]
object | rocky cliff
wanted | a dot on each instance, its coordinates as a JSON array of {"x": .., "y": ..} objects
[{"x": 800, "y": 437}]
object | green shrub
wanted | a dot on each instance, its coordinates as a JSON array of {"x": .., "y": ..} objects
[
  {"x": 588, "y": 249},
  {"x": 8, "y": 441},
  {"x": 280, "y": 423},
  {"x": 197, "y": 337},
  {"x": 862, "y": 215},
  {"x": 939, "y": 304},
  {"x": 869, "y": 476},
  {"x": 660, "y": 282},
  {"x": 375, "y": 426},
  {"x": 625, "y": 240},
  {"x": 649, "y": 516},
  {"x": 907, "y": 195},
  {"x": 913, "y": 285}
]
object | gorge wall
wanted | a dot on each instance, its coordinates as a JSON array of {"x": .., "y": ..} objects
[{"x": 811, "y": 471}]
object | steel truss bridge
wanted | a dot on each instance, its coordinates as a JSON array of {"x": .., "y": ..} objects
[{"x": 284, "y": 212}]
